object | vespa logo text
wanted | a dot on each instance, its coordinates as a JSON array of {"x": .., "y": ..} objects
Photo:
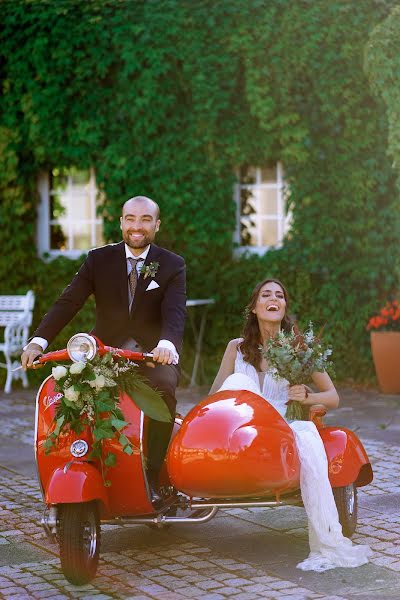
[{"x": 49, "y": 400}]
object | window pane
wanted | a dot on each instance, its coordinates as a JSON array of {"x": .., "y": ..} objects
[
  {"x": 268, "y": 202},
  {"x": 268, "y": 174},
  {"x": 248, "y": 231},
  {"x": 58, "y": 205},
  {"x": 73, "y": 219},
  {"x": 81, "y": 236},
  {"x": 58, "y": 179},
  {"x": 79, "y": 177},
  {"x": 269, "y": 232},
  {"x": 58, "y": 237},
  {"x": 80, "y": 205}
]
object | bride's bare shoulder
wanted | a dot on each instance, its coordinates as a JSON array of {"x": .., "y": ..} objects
[{"x": 233, "y": 344}]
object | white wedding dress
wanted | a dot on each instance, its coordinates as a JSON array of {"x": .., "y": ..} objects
[{"x": 328, "y": 547}]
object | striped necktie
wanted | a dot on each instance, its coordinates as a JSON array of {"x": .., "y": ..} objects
[{"x": 133, "y": 277}]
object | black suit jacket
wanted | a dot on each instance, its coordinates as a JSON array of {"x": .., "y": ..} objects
[{"x": 156, "y": 314}]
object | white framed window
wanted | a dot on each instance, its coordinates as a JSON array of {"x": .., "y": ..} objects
[
  {"x": 68, "y": 223},
  {"x": 261, "y": 220}
]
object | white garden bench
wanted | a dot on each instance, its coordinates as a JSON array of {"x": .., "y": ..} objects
[{"x": 16, "y": 318}]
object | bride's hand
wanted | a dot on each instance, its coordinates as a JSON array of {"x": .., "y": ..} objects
[{"x": 298, "y": 393}]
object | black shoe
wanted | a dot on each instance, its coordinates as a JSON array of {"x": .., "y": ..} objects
[
  {"x": 154, "y": 494},
  {"x": 152, "y": 479}
]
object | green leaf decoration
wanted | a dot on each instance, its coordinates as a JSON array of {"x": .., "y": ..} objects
[
  {"x": 119, "y": 423},
  {"x": 103, "y": 431},
  {"x": 59, "y": 423},
  {"x": 118, "y": 414},
  {"x": 146, "y": 399},
  {"x": 96, "y": 451},
  {"x": 151, "y": 403},
  {"x": 104, "y": 406},
  {"x": 123, "y": 440},
  {"x": 110, "y": 460},
  {"x": 48, "y": 445},
  {"x": 98, "y": 408},
  {"x": 103, "y": 395}
]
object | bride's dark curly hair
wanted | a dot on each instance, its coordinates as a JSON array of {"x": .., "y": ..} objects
[{"x": 251, "y": 331}]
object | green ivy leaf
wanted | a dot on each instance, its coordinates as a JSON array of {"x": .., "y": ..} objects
[
  {"x": 123, "y": 440},
  {"x": 110, "y": 460},
  {"x": 103, "y": 431},
  {"x": 119, "y": 423}
]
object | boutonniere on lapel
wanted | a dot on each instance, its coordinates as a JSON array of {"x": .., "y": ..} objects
[{"x": 149, "y": 270}]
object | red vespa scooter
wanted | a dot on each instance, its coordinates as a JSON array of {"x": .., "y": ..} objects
[{"x": 232, "y": 450}]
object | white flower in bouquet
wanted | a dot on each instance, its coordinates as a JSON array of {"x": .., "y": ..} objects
[
  {"x": 59, "y": 372},
  {"x": 71, "y": 394},
  {"x": 77, "y": 368},
  {"x": 98, "y": 383}
]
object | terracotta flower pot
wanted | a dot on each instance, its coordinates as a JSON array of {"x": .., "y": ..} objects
[{"x": 385, "y": 346}]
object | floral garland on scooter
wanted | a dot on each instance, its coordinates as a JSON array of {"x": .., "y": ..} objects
[{"x": 90, "y": 397}]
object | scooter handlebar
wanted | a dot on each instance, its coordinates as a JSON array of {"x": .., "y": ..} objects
[
  {"x": 129, "y": 354},
  {"x": 42, "y": 359},
  {"x": 59, "y": 355}
]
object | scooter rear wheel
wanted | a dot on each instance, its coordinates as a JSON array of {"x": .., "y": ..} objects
[
  {"x": 79, "y": 531},
  {"x": 346, "y": 504}
]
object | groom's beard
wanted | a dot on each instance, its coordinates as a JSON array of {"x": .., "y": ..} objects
[{"x": 142, "y": 242}]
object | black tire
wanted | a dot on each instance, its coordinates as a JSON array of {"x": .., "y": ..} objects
[
  {"x": 79, "y": 530},
  {"x": 347, "y": 506}
]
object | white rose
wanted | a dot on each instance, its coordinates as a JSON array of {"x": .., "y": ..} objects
[
  {"x": 77, "y": 368},
  {"x": 98, "y": 383},
  {"x": 59, "y": 372},
  {"x": 71, "y": 394}
]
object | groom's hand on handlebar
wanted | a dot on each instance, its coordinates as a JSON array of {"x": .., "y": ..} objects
[
  {"x": 162, "y": 356},
  {"x": 30, "y": 354}
]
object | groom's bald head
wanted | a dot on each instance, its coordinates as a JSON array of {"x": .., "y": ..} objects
[{"x": 143, "y": 200}]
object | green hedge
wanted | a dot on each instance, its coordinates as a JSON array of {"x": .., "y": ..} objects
[{"x": 167, "y": 98}]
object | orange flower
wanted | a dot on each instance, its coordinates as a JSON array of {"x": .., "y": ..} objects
[{"x": 388, "y": 318}]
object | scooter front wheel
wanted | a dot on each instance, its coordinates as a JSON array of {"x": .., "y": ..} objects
[{"x": 79, "y": 535}]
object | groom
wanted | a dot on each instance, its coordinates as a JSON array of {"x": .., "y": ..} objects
[{"x": 137, "y": 310}]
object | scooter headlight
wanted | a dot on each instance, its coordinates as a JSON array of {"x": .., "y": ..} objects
[
  {"x": 79, "y": 448},
  {"x": 81, "y": 347}
]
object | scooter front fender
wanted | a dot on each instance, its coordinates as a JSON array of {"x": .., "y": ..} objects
[
  {"x": 81, "y": 482},
  {"x": 348, "y": 461}
]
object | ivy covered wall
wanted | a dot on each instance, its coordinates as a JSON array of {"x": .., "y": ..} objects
[
  {"x": 382, "y": 64},
  {"x": 168, "y": 98}
]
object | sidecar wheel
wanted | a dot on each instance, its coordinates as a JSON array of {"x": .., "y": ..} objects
[
  {"x": 79, "y": 541},
  {"x": 346, "y": 504}
]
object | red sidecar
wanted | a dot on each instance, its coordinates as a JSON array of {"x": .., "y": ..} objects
[{"x": 232, "y": 449}]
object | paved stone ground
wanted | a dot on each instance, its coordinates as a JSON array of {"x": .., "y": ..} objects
[{"x": 243, "y": 554}]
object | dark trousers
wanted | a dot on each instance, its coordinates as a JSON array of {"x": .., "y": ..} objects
[{"x": 164, "y": 378}]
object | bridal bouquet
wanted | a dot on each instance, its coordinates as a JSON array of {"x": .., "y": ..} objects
[
  {"x": 90, "y": 393},
  {"x": 295, "y": 357}
]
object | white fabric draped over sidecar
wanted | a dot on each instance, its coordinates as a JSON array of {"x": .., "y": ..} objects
[{"x": 328, "y": 547}]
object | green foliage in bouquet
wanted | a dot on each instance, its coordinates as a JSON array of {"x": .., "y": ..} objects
[
  {"x": 90, "y": 397},
  {"x": 295, "y": 357}
]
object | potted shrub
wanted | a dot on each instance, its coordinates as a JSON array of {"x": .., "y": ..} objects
[{"x": 385, "y": 346}]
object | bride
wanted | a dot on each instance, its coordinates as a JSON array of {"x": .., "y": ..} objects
[{"x": 266, "y": 315}]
